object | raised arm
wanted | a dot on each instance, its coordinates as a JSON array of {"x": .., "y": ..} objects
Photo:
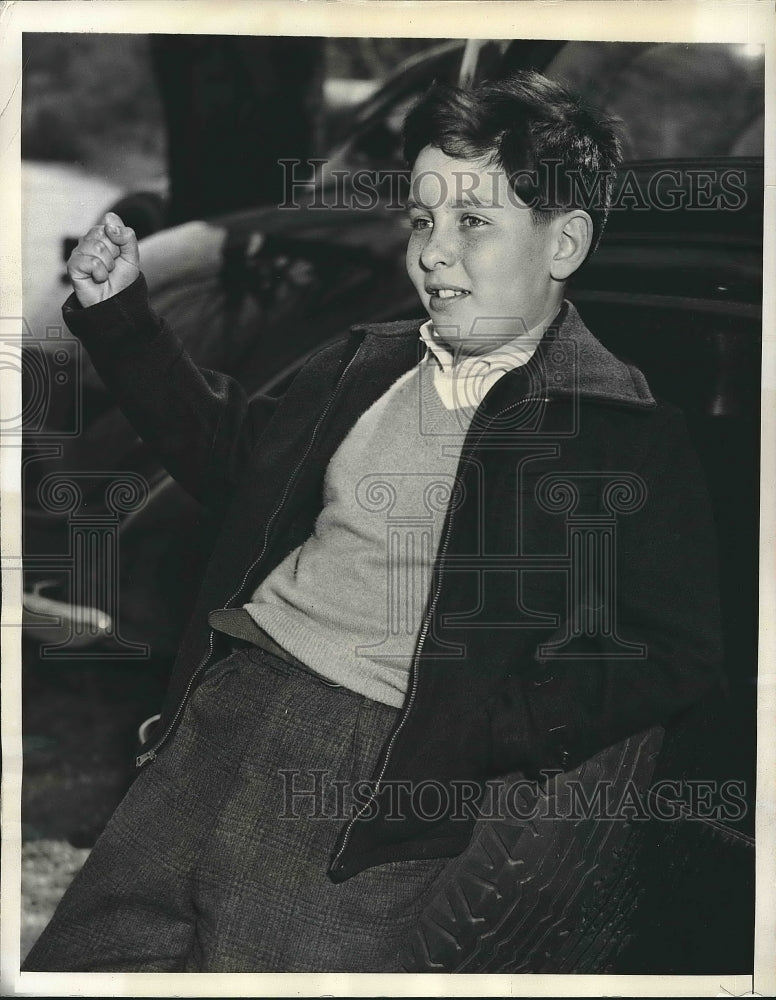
[{"x": 201, "y": 423}]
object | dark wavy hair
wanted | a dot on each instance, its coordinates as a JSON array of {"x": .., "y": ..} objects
[{"x": 558, "y": 152}]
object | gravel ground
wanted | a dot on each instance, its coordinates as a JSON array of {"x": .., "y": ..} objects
[{"x": 48, "y": 868}]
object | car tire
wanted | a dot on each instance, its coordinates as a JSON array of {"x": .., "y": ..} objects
[{"x": 551, "y": 893}]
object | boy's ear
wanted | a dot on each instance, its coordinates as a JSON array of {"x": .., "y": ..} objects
[{"x": 574, "y": 236}]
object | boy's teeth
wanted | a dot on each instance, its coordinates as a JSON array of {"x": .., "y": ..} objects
[{"x": 448, "y": 293}]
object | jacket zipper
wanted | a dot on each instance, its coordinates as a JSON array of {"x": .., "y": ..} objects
[
  {"x": 422, "y": 635},
  {"x": 150, "y": 755}
]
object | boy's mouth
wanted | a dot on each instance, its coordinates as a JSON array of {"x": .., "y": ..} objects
[{"x": 446, "y": 293}]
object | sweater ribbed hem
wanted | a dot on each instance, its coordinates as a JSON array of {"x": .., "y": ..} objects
[{"x": 332, "y": 661}]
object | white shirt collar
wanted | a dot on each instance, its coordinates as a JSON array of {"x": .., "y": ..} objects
[{"x": 463, "y": 381}]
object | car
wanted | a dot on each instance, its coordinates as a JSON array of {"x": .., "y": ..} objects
[{"x": 676, "y": 286}]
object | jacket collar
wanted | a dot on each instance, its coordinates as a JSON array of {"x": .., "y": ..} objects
[{"x": 569, "y": 363}]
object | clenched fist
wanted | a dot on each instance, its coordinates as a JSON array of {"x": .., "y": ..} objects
[{"x": 105, "y": 262}]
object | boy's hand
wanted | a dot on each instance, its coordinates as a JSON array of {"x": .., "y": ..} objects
[{"x": 105, "y": 262}]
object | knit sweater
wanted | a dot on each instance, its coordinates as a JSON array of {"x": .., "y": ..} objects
[{"x": 349, "y": 601}]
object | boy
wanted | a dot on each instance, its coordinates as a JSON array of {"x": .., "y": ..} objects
[{"x": 390, "y": 604}]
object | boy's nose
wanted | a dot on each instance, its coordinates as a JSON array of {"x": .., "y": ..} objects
[{"x": 438, "y": 251}]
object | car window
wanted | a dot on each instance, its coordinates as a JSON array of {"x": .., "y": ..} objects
[
  {"x": 379, "y": 145},
  {"x": 677, "y": 100}
]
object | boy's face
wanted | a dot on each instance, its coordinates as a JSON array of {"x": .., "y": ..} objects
[{"x": 479, "y": 262}]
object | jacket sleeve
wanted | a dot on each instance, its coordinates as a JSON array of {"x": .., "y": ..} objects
[
  {"x": 557, "y": 712},
  {"x": 202, "y": 424}
]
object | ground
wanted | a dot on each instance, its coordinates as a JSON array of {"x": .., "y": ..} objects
[
  {"x": 80, "y": 724},
  {"x": 48, "y": 867}
]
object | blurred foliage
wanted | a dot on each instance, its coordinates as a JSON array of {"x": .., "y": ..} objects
[
  {"x": 85, "y": 93},
  {"x": 676, "y": 99}
]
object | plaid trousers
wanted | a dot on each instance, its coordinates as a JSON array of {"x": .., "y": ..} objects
[{"x": 216, "y": 859}]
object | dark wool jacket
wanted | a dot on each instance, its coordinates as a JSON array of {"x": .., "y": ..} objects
[{"x": 574, "y": 599}]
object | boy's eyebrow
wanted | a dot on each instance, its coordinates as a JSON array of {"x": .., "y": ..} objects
[{"x": 464, "y": 202}]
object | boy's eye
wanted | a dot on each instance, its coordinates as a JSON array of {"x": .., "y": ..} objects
[
  {"x": 420, "y": 222},
  {"x": 473, "y": 221}
]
